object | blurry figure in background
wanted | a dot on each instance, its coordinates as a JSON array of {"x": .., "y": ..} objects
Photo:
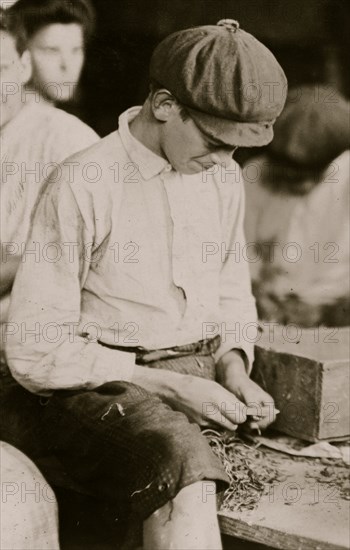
[
  {"x": 29, "y": 517},
  {"x": 57, "y": 32},
  {"x": 297, "y": 213},
  {"x": 5, "y": 4},
  {"x": 34, "y": 138}
]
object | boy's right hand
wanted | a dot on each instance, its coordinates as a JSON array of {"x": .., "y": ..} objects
[{"x": 203, "y": 401}]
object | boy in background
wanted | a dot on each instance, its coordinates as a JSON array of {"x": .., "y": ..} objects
[
  {"x": 35, "y": 137},
  {"x": 56, "y": 34},
  {"x": 297, "y": 212}
]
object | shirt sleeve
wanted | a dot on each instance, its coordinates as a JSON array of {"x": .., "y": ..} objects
[
  {"x": 239, "y": 324},
  {"x": 44, "y": 348}
]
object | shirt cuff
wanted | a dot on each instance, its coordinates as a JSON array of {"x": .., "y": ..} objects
[{"x": 113, "y": 365}]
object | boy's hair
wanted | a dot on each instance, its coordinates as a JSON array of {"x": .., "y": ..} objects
[
  {"x": 9, "y": 24},
  {"x": 33, "y": 15}
]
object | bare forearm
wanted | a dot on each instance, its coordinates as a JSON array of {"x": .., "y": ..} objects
[
  {"x": 159, "y": 381},
  {"x": 200, "y": 399}
]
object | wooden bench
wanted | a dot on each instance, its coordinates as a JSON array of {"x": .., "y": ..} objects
[{"x": 299, "y": 513}]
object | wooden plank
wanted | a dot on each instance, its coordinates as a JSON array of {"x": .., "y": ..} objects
[
  {"x": 319, "y": 343},
  {"x": 270, "y": 537},
  {"x": 299, "y": 513}
]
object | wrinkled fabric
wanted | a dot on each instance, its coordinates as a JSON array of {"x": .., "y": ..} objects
[
  {"x": 117, "y": 442},
  {"x": 140, "y": 255},
  {"x": 32, "y": 145}
]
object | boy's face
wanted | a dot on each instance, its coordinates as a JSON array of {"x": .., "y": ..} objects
[
  {"x": 187, "y": 149},
  {"x": 15, "y": 71},
  {"x": 57, "y": 53}
]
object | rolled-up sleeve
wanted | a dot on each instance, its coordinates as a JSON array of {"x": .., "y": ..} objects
[
  {"x": 237, "y": 305},
  {"x": 44, "y": 348}
]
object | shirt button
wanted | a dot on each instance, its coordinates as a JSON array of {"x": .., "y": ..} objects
[
  {"x": 162, "y": 487},
  {"x": 168, "y": 168}
]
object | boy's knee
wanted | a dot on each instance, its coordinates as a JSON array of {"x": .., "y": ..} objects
[
  {"x": 199, "y": 491},
  {"x": 188, "y": 499}
]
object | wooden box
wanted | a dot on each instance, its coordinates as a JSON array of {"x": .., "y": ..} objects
[{"x": 307, "y": 373}]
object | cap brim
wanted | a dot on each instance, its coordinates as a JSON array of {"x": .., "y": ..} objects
[{"x": 237, "y": 134}]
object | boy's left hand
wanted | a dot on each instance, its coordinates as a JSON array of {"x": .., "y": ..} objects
[{"x": 232, "y": 374}]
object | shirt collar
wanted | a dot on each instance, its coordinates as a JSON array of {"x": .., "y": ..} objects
[{"x": 149, "y": 164}]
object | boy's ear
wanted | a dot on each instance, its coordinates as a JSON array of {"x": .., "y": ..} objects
[
  {"x": 164, "y": 105},
  {"x": 26, "y": 62}
]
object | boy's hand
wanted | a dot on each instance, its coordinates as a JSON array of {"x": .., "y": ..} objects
[
  {"x": 260, "y": 401},
  {"x": 203, "y": 401},
  {"x": 208, "y": 403},
  {"x": 232, "y": 374}
]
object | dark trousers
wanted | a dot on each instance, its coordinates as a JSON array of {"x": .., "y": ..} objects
[{"x": 117, "y": 442}]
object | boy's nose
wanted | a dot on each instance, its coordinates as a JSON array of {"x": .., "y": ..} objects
[{"x": 64, "y": 63}]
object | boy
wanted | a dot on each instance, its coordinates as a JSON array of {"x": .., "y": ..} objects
[
  {"x": 303, "y": 180},
  {"x": 57, "y": 32},
  {"x": 141, "y": 322},
  {"x": 34, "y": 138}
]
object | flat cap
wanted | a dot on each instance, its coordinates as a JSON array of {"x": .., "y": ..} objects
[
  {"x": 232, "y": 85},
  {"x": 313, "y": 128}
]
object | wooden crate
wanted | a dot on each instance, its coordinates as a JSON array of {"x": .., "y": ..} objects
[{"x": 307, "y": 374}]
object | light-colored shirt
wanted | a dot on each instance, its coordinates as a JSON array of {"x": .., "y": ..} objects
[
  {"x": 32, "y": 144},
  {"x": 302, "y": 242},
  {"x": 137, "y": 258}
]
